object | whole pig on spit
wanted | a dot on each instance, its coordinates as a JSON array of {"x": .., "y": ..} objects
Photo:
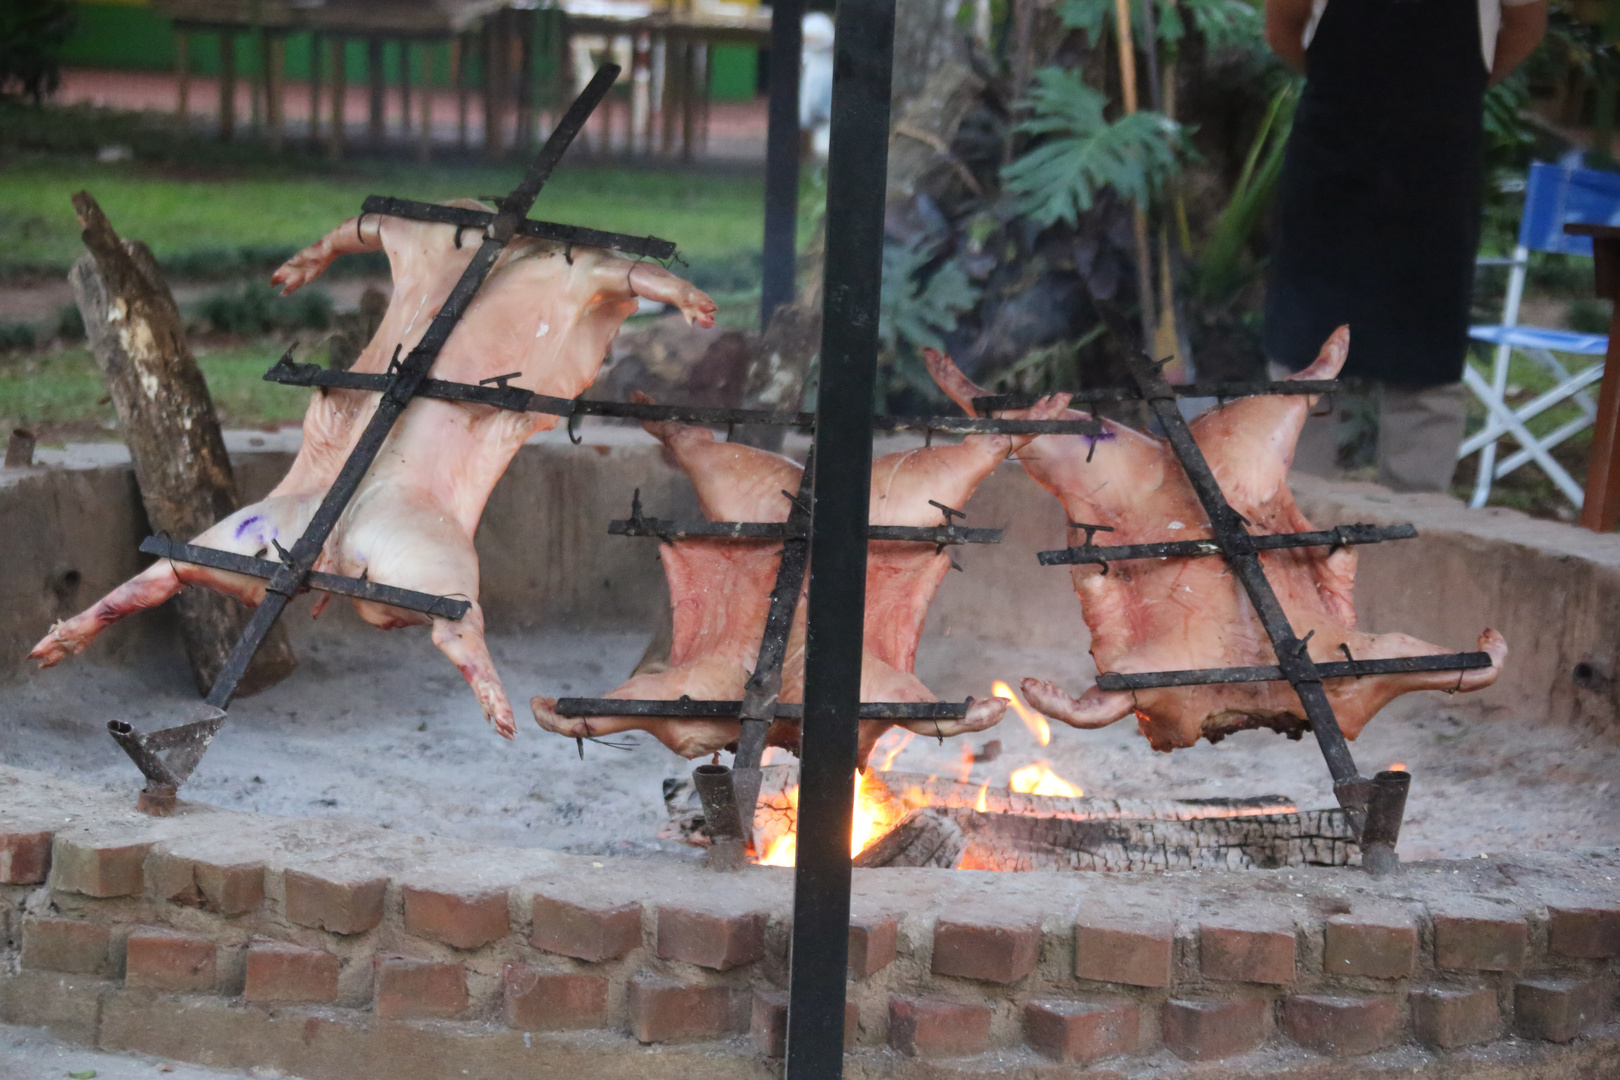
[
  {"x": 720, "y": 590},
  {"x": 1178, "y": 613},
  {"x": 545, "y": 312}
]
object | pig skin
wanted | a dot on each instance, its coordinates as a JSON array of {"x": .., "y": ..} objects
[
  {"x": 720, "y": 589},
  {"x": 545, "y": 313},
  {"x": 1173, "y": 614}
]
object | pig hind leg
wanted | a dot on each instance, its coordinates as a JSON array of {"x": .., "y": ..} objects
[{"x": 462, "y": 641}]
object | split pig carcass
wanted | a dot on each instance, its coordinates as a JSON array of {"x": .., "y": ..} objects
[
  {"x": 1169, "y": 614},
  {"x": 545, "y": 312},
  {"x": 720, "y": 590}
]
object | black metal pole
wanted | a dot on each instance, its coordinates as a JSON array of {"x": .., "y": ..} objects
[
  {"x": 782, "y": 158},
  {"x": 857, "y": 170}
]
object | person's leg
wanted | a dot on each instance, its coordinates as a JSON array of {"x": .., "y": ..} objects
[
  {"x": 1317, "y": 452},
  {"x": 1419, "y": 430}
]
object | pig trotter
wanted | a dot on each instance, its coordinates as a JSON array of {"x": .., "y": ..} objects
[
  {"x": 1093, "y": 709},
  {"x": 462, "y": 640}
]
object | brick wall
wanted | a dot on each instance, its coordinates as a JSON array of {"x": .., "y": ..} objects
[{"x": 177, "y": 936}]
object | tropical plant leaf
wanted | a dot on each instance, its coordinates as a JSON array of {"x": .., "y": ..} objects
[
  {"x": 1080, "y": 153},
  {"x": 917, "y": 310},
  {"x": 1224, "y": 23},
  {"x": 1221, "y": 269}
]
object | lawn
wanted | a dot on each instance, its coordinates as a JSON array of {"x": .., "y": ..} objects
[
  {"x": 59, "y": 393},
  {"x": 186, "y": 212}
]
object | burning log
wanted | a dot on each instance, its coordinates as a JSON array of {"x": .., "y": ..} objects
[
  {"x": 915, "y": 790},
  {"x": 1022, "y": 842},
  {"x": 168, "y": 421},
  {"x": 922, "y": 838}
]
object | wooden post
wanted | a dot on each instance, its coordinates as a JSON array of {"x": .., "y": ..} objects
[
  {"x": 315, "y": 51},
  {"x": 458, "y": 81},
  {"x": 256, "y": 80},
  {"x": 340, "y": 96},
  {"x": 674, "y": 88},
  {"x": 405, "y": 87},
  {"x": 424, "y": 132},
  {"x": 689, "y": 97},
  {"x": 1601, "y": 509},
  {"x": 168, "y": 421},
  {"x": 494, "y": 135},
  {"x": 227, "y": 85},
  {"x": 376, "y": 76},
  {"x": 182, "y": 75},
  {"x": 524, "y": 47},
  {"x": 275, "y": 67}
]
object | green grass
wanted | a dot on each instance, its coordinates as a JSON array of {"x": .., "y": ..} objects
[
  {"x": 60, "y": 395},
  {"x": 183, "y": 212}
]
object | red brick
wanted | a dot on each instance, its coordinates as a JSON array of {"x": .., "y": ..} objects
[
  {"x": 873, "y": 945},
  {"x": 931, "y": 1027},
  {"x": 1480, "y": 942},
  {"x": 1246, "y": 954},
  {"x": 585, "y": 933},
  {"x": 543, "y": 1001},
  {"x": 769, "y": 1026},
  {"x": 1591, "y": 933},
  {"x": 226, "y": 889},
  {"x": 78, "y": 948},
  {"x": 662, "y": 1010},
  {"x": 341, "y": 906},
  {"x": 1082, "y": 1031},
  {"x": 25, "y": 857},
  {"x": 419, "y": 989},
  {"x": 1372, "y": 947},
  {"x": 1341, "y": 1026},
  {"x": 97, "y": 869},
  {"x": 1210, "y": 1030},
  {"x": 720, "y": 942},
  {"x": 1448, "y": 1017},
  {"x": 1134, "y": 955},
  {"x": 165, "y": 960},
  {"x": 278, "y": 972},
  {"x": 991, "y": 953},
  {"x": 465, "y": 920},
  {"x": 1558, "y": 1009}
]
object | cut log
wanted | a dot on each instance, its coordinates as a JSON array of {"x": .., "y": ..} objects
[
  {"x": 168, "y": 421},
  {"x": 921, "y": 838},
  {"x": 916, "y": 790},
  {"x": 1020, "y": 842}
]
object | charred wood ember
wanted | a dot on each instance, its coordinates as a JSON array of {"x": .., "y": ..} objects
[
  {"x": 167, "y": 419},
  {"x": 538, "y": 310},
  {"x": 1184, "y": 616}
]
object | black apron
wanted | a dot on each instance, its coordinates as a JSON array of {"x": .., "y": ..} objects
[{"x": 1378, "y": 205}]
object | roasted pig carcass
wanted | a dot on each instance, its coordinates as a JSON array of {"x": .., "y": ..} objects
[
  {"x": 1179, "y": 613},
  {"x": 544, "y": 312},
  {"x": 720, "y": 589}
]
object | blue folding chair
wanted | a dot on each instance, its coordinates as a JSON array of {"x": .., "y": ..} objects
[{"x": 1554, "y": 196}]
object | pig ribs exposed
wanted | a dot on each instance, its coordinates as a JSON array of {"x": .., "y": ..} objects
[
  {"x": 544, "y": 311},
  {"x": 1169, "y": 614},
  {"x": 720, "y": 589}
]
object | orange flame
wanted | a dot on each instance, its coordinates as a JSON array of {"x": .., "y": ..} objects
[
  {"x": 983, "y": 803},
  {"x": 906, "y": 735},
  {"x": 1033, "y": 720},
  {"x": 868, "y": 806},
  {"x": 1397, "y": 766},
  {"x": 1037, "y": 779}
]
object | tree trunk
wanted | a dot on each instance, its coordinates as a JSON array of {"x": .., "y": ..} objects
[{"x": 168, "y": 421}]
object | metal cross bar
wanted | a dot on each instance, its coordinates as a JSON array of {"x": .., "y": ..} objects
[
  {"x": 689, "y": 709},
  {"x": 517, "y": 399},
  {"x": 403, "y": 383},
  {"x": 1336, "y": 669},
  {"x": 669, "y": 531},
  {"x": 1337, "y": 537},
  {"x": 1294, "y": 662},
  {"x": 990, "y": 403},
  {"x": 573, "y": 235},
  {"x": 359, "y": 588}
]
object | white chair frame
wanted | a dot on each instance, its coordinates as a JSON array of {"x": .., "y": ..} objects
[{"x": 1502, "y": 420}]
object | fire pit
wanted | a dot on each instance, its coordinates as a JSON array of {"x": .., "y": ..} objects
[{"x": 350, "y": 846}]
